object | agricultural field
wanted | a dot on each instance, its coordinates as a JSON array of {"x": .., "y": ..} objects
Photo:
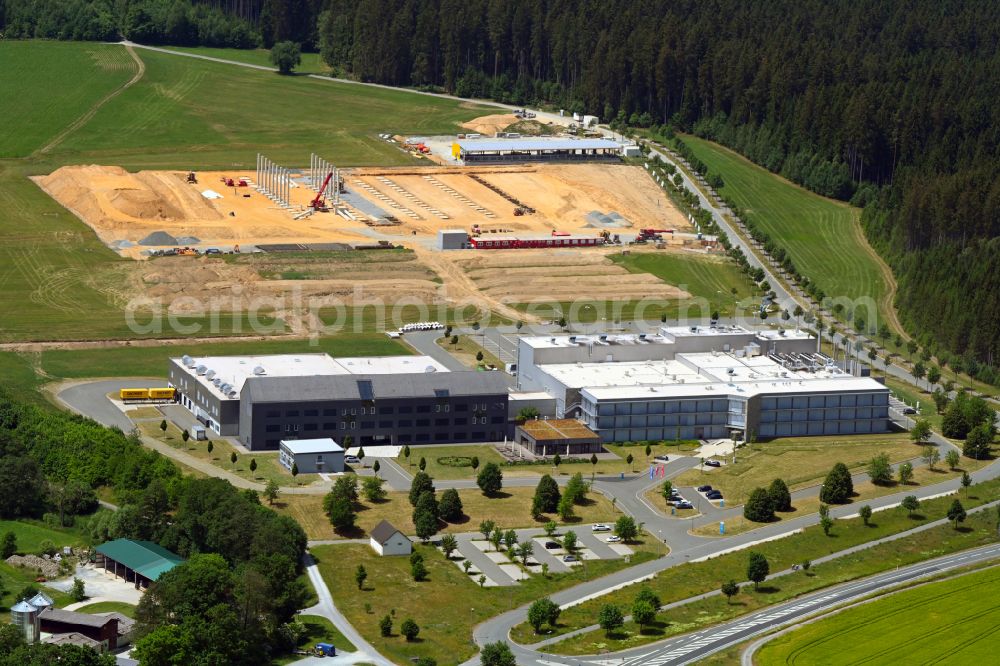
[
  {"x": 311, "y": 62},
  {"x": 823, "y": 236},
  {"x": 31, "y": 533},
  {"x": 109, "y": 607},
  {"x": 952, "y": 621}
]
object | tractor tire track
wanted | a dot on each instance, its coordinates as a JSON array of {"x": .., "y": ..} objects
[{"x": 86, "y": 117}]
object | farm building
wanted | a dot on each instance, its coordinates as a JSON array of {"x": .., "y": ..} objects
[
  {"x": 379, "y": 400},
  {"x": 311, "y": 455},
  {"x": 478, "y": 151},
  {"x": 547, "y": 437},
  {"x": 387, "y": 540},
  {"x": 139, "y": 562},
  {"x": 701, "y": 383}
]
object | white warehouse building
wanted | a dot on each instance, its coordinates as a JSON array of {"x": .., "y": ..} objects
[{"x": 701, "y": 383}]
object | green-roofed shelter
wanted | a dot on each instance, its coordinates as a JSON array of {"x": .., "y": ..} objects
[{"x": 139, "y": 562}]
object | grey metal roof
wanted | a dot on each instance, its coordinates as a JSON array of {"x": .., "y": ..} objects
[
  {"x": 383, "y": 532},
  {"x": 72, "y": 617},
  {"x": 346, "y": 387},
  {"x": 506, "y": 145}
]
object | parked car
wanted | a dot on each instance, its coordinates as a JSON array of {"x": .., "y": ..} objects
[
  {"x": 684, "y": 505},
  {"x": 714, "y": 495},
  {"x": 570, "y": 558},
  {"x": 704, "y": 489},
  {"x": 213, "y": 250},
  {"x": 614, "y": 538},
  {"x": 552, "y": 545},
  {"x": 909, "y": 410},
  {"x": 353, "y": 460},
  {"x": 601, "y": 527},
  {"x": 713, "y": 463}
]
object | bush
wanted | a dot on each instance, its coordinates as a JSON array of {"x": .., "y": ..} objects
[
  {"x": 286, "y": 56},
  {"x": 758, "y": 508},
  {"x": 409, "y": 629}
]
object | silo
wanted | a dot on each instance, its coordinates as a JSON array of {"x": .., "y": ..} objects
[
  {"x": 25, "y": 616},
  {"x": 41, "y": 601}
]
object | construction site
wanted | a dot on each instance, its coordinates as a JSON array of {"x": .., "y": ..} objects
[{"x": 549, "y": 228}]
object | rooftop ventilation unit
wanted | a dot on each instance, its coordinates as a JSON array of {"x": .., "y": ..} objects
[
  {"x": 430, "y": 368},
  {"x": 731, "y": 371},
  {"x": 210, "y": 374},
  {"x": 217, "y": 381},
  {"x": 187, "y": 361},
  {"x": 232, "y": 394},
  {"x": 642, "y": 336},
  {"x": 603, "y": 338},
  {"x": 201, "y": 369},
  {"x": 694, "y": 329},
  {"x": 572, "y": 339},
  {"x": 259, "y": 370}
]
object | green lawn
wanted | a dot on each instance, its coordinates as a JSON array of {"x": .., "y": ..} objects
[
  {"x": 183, "y": 113},
  {"x": 823, "y": 236},
  {"x": 950, "y": 621},
  {"x": 311, "y": 62},
  {"x": 446, "y": 607},
  {"x": 125, "y": 609},
  {"x": 704, "y": 277},
  {"x": 688, "y": 580},
  {"x": 152, "y": 361},
  {"x": 31, "y": 533}
]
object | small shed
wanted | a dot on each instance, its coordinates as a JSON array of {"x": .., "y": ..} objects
[
  {"x": 453, "y": 239},
  {"x": 312, "y": 456},
  {"x": 387, "y": 540},
  {"x": 563, "y": 436}
]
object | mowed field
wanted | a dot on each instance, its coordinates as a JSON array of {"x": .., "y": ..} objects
[
  {"x": 955, "y": 621},
  {"x": 823, "y": 236},
  {"x": 311, "y": 62},
  {"x": 182, "y": 113}
]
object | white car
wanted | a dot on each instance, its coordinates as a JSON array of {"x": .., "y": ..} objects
[
  {"x": 600, "y": 527},
  {"x": 614, "y": 538},
  {"x": 352, "y": 460}
]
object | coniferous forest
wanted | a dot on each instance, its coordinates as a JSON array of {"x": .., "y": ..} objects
[{"x": 889, "y": 104}]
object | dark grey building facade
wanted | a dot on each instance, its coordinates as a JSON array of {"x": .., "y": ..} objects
[{"x": 399, "y": 409}]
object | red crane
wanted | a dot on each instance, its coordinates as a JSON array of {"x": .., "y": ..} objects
[{"x": 319, "y": 203}]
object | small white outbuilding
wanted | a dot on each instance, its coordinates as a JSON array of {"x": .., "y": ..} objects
[{"x": 387, "y": 540}]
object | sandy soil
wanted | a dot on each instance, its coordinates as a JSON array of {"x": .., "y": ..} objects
[
  {"x": 426, "y": 200},
  {"x": 490, "y": 125}
]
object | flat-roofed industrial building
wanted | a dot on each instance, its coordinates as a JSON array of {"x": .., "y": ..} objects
[
  {"x": 701, "y": 383},
  {"x": 499, "y": 150},
  {"x": 263, "y": 400}
]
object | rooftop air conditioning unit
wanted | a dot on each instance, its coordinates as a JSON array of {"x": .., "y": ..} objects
[
  {"x": 232, "y": 394},
  {"x": 201, "y": 369},
  {"x": 430, "y": 368},
  {"x": 694, "y": 329},
  {"x": 259, "y": 370},
  {"x": 572, "y": 339},
  {"x": 217, "y": 382},
  {"x": 187, "y": 361},
  {"x": 210, "y": 374},
  {"x": 642, "y": 336}
]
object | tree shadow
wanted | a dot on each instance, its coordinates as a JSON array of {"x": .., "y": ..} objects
[
  {"x": 616, "y": 635},
  {"x": 737, "y": 603},
  {"x": 917, "y": 516},
  {"x": 350, "y": 532},
  {"x": 768, "y": 589},
  {"x": 964, "y": 529},
  {"x": 654, "y": 628},
  {"x": 499, "y": 495}
]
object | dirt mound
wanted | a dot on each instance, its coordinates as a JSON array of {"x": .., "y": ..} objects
[
  {"x": 491, "y": 124},
  {"x": 158, "y": 238}
]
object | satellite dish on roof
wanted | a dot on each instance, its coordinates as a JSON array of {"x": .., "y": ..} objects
[{"x": 259, "y": 370}]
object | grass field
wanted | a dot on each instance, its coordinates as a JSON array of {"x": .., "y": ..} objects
[
  {"x": 708, "y": 278},
  {"x": 125, "y": 609},
  {"x": 688, "y": 580},
  {"x": 799, "y": 461},
  {"x": 823, "y": 236},
  {"x": 510, "y": 510},
  {"x": 311, "y": 62},
  {"x": 950, "y": 621},
  {"x": 31, "y": 533},
  {"x": 182, "y": 113},
  {"x": 151, "y": 361},
  {"x": 446, "y": 607}
]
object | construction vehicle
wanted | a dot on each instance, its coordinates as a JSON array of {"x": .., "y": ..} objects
[
  {"x": 653, "y": 234},
  {"x": 325, "y": 650},
  {"x": 519, "y": 211},
  {"x": 234, "y": 182},
  {"x": 192, "y": 178},
  {"x": 609, "y": 239},
  {"x": 319, "y": 203}
]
